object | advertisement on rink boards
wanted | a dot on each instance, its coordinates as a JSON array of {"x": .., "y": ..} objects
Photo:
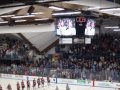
[
  {"x": 107, "y": 84},
  {"x": 85, "y": 82},
  {"x": 65, "y": 81},
  {"x": 75, "y": 82},
  {"x": 12, "y": 76},
  {"x": 6, "y": 75},
  {"x": 53, "y": 80},
  {"x": 116, "y": 85},
  {"x": 103, "y": 84}
]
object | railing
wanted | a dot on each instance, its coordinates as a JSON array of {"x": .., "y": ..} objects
[{"x": 102, "y": 75}]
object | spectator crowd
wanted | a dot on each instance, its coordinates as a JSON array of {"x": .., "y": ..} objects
[
  {"x": 99, "y": 60},
  {"x": 12, "y": 49}
]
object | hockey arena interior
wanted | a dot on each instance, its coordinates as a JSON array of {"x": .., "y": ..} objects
[{"x": 59, "y": 44}]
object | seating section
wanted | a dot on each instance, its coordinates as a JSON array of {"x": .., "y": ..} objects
[{"x": 99, "y": 60}]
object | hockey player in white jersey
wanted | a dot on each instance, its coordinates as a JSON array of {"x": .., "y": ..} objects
[
  {"x": 67, "y": 87},
  {"x": 56, "y": 88}
]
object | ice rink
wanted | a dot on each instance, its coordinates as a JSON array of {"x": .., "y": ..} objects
[{"x": 5, "y": 82}]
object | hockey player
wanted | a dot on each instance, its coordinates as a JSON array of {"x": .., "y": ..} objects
[
  {"x": 18, "y": 86},
  {"x": 48, "y": 80},
  {"x": 9, "y": 87},
  {"x": 0, "y": 87},
  {"x": 23, "y": 85},
  {"x": 42, "y": 81},
  {"x": 28, "y": 85},
  {"x": 34, "y": 84},
  {"x": 56, "y": 88},
  {"x": 38, "y": 82},
  {"x": 67, "y": 87}
]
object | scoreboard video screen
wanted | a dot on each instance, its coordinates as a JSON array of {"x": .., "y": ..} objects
[
  {"x": 65, "y": 27},
  {"x": 75, "y": 26}
]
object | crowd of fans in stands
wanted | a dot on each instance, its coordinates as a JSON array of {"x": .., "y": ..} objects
[
  {"x": 99, "y": 60},
  {"x": 102, "y": 55},
  {"x": 12, "y": 48}
]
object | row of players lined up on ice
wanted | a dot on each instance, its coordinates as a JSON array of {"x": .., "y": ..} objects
[{"x": 40, "y": 81}]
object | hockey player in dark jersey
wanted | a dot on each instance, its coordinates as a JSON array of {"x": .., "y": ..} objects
[
  {"x": 23, "y": 85},
  {"x": 34, "y": 84},
  {"x": 9, "y": 87},
  {"x": 28, "y": 85},
  {"x": 0, "y": 87},
  {"x": 38, "y": 82},
  {"x": 18, "y": 86},
  {"x": 48, "y": 80},
  {"x": 42, "y": 81}
]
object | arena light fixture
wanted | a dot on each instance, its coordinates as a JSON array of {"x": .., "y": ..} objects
[
  {"x": 110, "y": 9},
  {"x": 20, "y": 20},
  {"x": 56, "y": 8},
  {"x": 41, "y": 1},
  {"x": 15, "y": 17},
  {"x": 7, "y": 16},
  {"x": 93, "y": 8},
  {"x": 116, "y": 14},
  {"x": 36, "y": 13},
  {"x": 114, "y": 27},
  {"x": 41, "y": 19},
  {"x": 116, "y": 30},
  {"x": 3, "y": 22},
  {"x": 66, "y": 13}
]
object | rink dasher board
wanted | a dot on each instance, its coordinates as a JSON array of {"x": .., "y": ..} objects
[
  {"x": 25, "y": 77},
  {"x": 106, "y": 84},
  {"x": 64, "y": 81},
  {"x": 75, "y": 82}
]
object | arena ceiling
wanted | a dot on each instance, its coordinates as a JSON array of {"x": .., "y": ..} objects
[
  {"x": 116, "y": 1},
  {"x": 43, "y": 14}
]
